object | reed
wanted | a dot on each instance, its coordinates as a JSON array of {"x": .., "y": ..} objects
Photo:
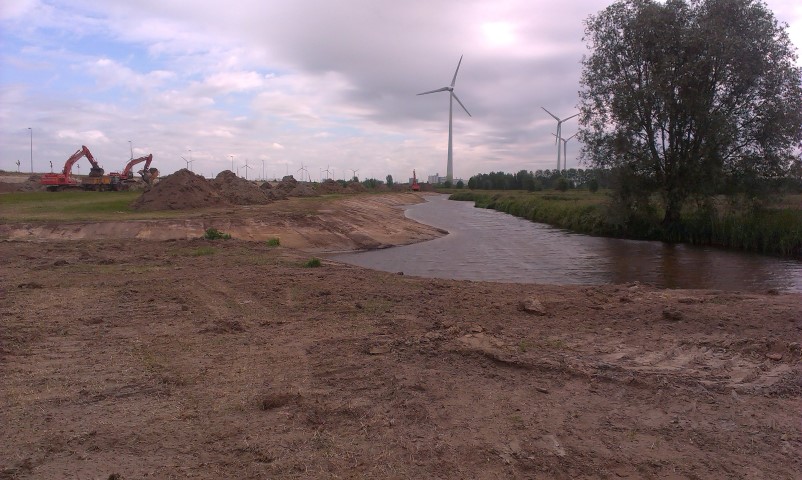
[{"x": 775, "y": 231}]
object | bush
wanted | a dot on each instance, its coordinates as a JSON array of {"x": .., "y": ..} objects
[
  {"x": 203, "y": 251},
  {"x": 312, "y": 263},
  {"x": 215, "y": 234},
  {"x": 274, "y": 242}
]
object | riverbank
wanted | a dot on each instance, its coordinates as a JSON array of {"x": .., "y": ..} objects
[
  {"x": 776, "y": 231},
  {"x": 215, "y": 359}
]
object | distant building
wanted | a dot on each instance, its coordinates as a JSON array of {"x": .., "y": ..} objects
[{"x": 437, "y": 179}]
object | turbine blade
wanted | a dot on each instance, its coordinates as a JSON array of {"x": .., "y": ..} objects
[
  {"x": 568, "y": 118},
  {"x": 454, "y": 80},
  {"x": 572, "y": 136},
  {"x": 444, "y": 89},
  {"x": 460, "y": 104},
  {"x": 552, "y": 115}
]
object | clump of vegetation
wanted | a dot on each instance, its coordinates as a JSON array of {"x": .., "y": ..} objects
[
  {"x": 215, "y": 234},
  {"x": 274, "y": 242},
  {"x": 202, "y": 251},
  {"x": 312, "y": 263}
]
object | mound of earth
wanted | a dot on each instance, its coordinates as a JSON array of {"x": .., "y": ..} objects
[
  {"x": 292, "y": 188},
  {"x": 181, "y": 190},
  {"x": 329, "y": 186},
  {"x": 238, "y": 190},
  {"x": 17, "y": 183},
  {"x": 355, "y": 187}
]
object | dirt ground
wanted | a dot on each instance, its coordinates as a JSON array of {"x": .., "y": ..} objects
[{"x": 128, "y": 358}]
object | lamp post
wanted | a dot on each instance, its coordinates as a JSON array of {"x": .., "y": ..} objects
[{"x": 31, "y": 130}]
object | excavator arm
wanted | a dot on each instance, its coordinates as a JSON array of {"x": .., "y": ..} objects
[
  {"x": 74, "y": 158},
  {"x": 127, "y": 171}
]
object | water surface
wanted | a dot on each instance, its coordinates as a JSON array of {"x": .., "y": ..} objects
[{"x": 489, "y": 245}]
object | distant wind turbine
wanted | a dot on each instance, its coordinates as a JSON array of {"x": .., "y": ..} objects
[
  {"x": 302, "y": 170},
  {"x": 452, "y": 96},
  {"x": 352, "y": 171},
  {"x": 559, "y": 132},
  {"x": 565, "y": 149},
  {"x": 189, "y": 162}
]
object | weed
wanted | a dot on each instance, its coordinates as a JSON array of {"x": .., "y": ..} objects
[
  {"x": 201, "y": 251},
  {"x": 274, "y": 242},
  {"x": 312, "y": 263},
  {"x": 215, "y": 234}
]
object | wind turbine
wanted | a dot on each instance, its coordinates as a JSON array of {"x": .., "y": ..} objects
[
  {"x": 302, "y": 170},
  {"x": 565, "y": 149},
  {"x": 246, "y": 169},
  {"x": 352, "y": 171},
  {"x": 189, "y": 162},
  {"x": 328, "y": 172},
  {"x": 559, "y": 132},
  {"x": 451, "y": 97}
]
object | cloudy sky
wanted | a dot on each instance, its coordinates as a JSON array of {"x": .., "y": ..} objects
[{"x": 284, "y": 83}]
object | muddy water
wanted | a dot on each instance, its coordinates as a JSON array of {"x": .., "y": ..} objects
[{"x": 489, "y": 245}]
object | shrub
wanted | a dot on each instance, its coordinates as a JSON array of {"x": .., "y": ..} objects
[
  {"x": 274, "y": 242},
  {"x": 215, "y": 234},
  {"x": 312, "y": 263}
]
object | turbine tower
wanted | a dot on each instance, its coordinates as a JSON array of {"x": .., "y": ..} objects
[
  {"x": 452, "y": 97},
  {"x": 565, "y": 149},
  {"x": 559, "y": 132}
]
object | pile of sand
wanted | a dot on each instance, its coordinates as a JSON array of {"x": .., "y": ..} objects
[
  {"x": 238, "y": 190},
  {"x": 179, "y": 191}
]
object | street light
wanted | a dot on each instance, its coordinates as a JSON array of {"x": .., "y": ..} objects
[{"x": 31, "y": 130}]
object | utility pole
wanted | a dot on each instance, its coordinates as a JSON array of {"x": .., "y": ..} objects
[{"x": 31, "y": 130}]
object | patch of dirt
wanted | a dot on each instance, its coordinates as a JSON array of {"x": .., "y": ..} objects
[
  {"x": 310, "y": 224},
  {"x": 220, "y": 359}
]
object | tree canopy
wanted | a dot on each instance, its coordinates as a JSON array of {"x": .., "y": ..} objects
[{"x": 688, "y": 97}]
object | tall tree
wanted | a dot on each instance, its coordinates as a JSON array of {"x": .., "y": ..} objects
[{"x": 680, "y": 95}]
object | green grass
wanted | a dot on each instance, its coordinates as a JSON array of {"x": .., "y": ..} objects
[
  {"x": 73, "y": 206},
  {"x": 772, "y": 230},
  {"x": 203, "y": 251},
  {"x": 274, "y": 242}
]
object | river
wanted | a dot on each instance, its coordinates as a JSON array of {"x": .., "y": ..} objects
[{"x": 493, "y": 246}]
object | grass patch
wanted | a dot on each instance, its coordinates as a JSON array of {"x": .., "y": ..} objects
[
  {"x": 274, "y": 242},
  {"x": 776, "y": 229},
  {"x": 202, "y": 251},
  {"x": 312, "y": 263},
  {"x": 215, "y": 234}
]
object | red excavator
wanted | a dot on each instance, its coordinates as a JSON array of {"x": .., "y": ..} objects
[
  {"x": 127, "y": 176},
  {"x": 415, "y": 187},
  {"x": 58, "y": 181}
]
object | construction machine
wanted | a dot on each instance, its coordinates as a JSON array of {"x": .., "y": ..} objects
[
  {"x": 415, "y": 187},
  {"x": 59, "y": 181},
  {"x": 148, "y": 174}
]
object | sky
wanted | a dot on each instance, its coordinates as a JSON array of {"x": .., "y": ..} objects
[{"x": 266, "y": 87}]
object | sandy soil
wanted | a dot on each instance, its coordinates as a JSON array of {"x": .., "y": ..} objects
[{"x": 185, "y": 358}]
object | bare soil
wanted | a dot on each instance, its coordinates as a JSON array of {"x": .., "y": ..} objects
[{"x": 188, "y": 358}]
